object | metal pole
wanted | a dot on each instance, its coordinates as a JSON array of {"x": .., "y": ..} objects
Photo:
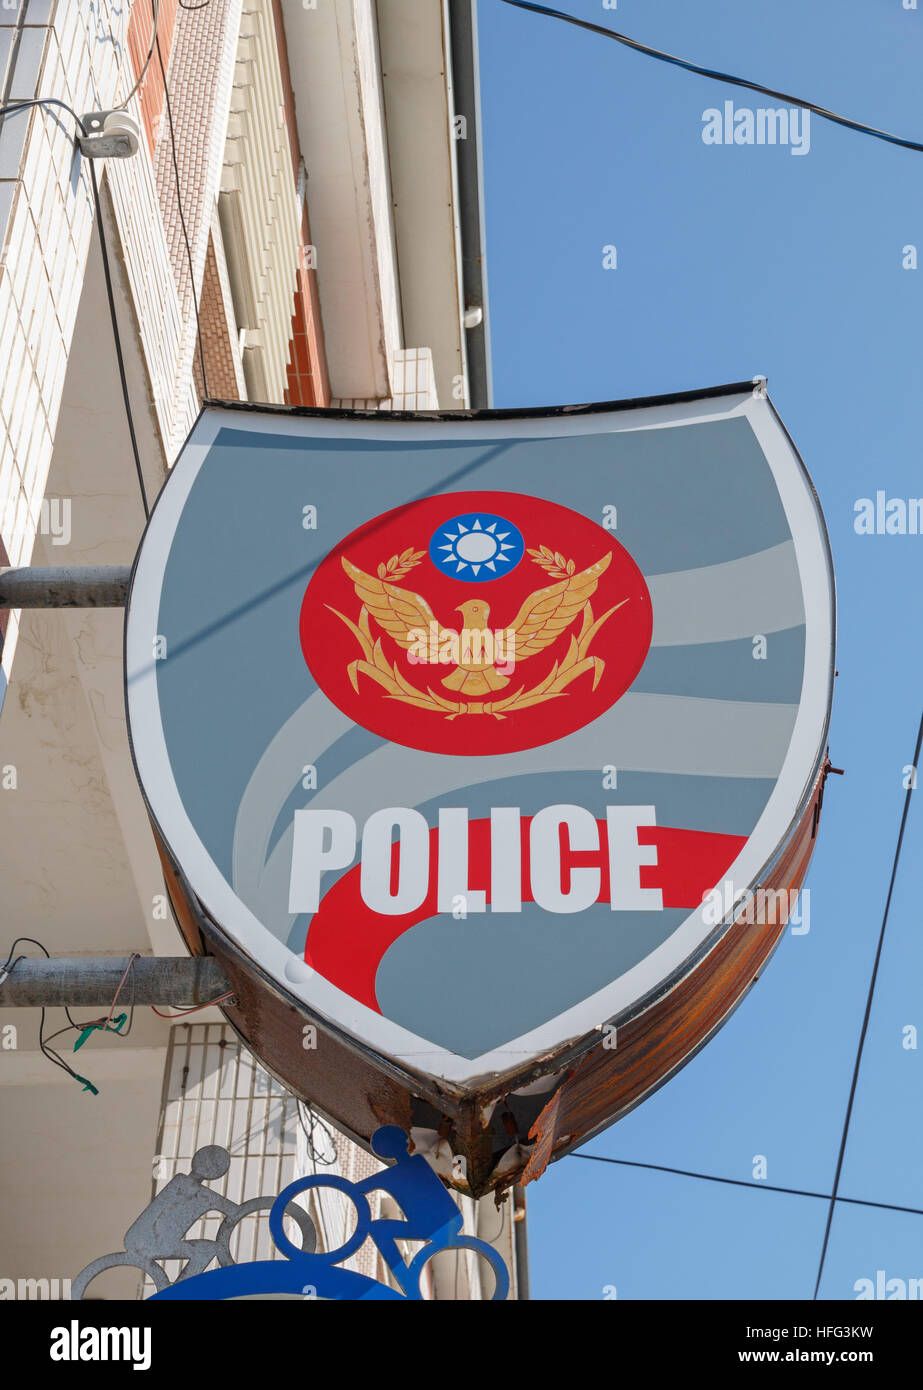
[
  {"x": 469, "y": 159},
  {"x": 93, "y": 981},
  {"x": 521, "y": 1243},
  {"x": 65, "y": 586}
]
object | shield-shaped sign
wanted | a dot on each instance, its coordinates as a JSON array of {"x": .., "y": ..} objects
[{"x": 468, "y": 739}]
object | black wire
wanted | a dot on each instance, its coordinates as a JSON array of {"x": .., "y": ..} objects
[
  {"x": 740, "y": 1182},
  {"x": 51, "y": 1055},
  {"x": 718, "y": 76},
  {"x": 324, "y": 1162},
  {"x": 92, "y": 1023},
  {"x": 867, "y": 1015},
  {"x": 834, "y": 1196},
  {"x": 12, "y": 107},
  {"x": 69, "y": 1027},
  {"x": 54, "y": 101},
  {"x": 42, "y": 1040},
  {"x": 182, "y": 219},
  {"x": 499, "y": 1231},
  {"x": 48, "y": 1052},
  {"x": 32, "y": 942},
  {"x": 192, "y": 8},
  {"x": 316, "y": 1120},
  {"x": 118, "y": 339},
  {"x": 147, "y": 61}
]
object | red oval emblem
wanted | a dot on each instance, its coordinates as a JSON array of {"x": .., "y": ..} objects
[{"x": 476, "y": 622}]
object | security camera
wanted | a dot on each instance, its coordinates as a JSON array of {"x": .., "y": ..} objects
[{"x": 110, "y": 135}]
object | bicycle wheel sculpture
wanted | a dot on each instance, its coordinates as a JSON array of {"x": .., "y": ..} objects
[{"x": 430, "y": 1215}]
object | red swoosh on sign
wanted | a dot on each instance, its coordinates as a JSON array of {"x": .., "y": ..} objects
[{"x": 346, "y": 942}]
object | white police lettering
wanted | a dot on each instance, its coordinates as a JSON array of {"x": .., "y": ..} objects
[{"x": 395, "y": 859}]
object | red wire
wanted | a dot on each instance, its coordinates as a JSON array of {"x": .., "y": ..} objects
[
  {"x": 131, "y": 960},
  {"x": 198, "y": 1008}
]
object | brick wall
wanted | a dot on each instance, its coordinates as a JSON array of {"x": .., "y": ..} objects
[
  {"x": 220, "y": 367},
  {"x": 140, "y": 33}
]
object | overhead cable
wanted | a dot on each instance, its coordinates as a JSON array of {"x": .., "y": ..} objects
[
  {"x": 834, "y": 1196},
  {"x": 718, "y": 76},
  {"x": 147, "y": 62}
]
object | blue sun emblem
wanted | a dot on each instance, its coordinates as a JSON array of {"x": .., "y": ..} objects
[{"x": 477, "y": 547}]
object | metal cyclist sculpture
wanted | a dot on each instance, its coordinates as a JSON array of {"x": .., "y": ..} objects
[
  {"x": 430, "y": 1215},
  {"x": 159, "y": 1233}
]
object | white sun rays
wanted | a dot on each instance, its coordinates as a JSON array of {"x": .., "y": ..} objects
[{"x": 476, "y": 546}]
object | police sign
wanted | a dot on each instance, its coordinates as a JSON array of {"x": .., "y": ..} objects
[{"x": 454, "y": 729}]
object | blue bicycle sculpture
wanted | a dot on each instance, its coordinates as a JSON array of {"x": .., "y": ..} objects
[{"x": 431, "y": 1216}]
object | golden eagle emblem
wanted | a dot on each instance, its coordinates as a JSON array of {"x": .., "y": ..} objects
[{"x": 408, "y": 619}]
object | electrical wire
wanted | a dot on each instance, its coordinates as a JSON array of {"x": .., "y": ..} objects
[
  {"x": 312, "y": 1147},
  {"x": 717, "y": 76},
  {"x": 32, "y": 942},
  {"x": 147, "y": 62},
  {"x": 498, "y": 1232},
  {"x": 52, "y": 1056},
  {"x": 90, "y": 1023},
  {"x": 12, "y": 109},
  {"x": 742, "y": 1182},
  {"x": 182, "y": 218},
  {"x": 118, "y": 341},
  {"x": 131, "y": 1007},
  {"x": 131, "y": 960},
  {"x": 184, "y": 1013},
  {"x": 834, "y": 1196},
  {"x": 315, "y": 1155},
  {"x": 103, "y": 1022},
  {"x": 192, "y": 8},
  {"x": 7, "y": 969},
  {"x": 9, "y": 965}
]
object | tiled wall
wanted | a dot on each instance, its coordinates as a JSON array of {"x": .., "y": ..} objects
[
  {"x": 76, "y": 50},
  {"x": 201, "y": 78},
  {"x": 45, "y": 225},
  {"x": 411, "y": 372}
]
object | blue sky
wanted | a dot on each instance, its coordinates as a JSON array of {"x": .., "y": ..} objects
[{"x": 734, "y": 261}]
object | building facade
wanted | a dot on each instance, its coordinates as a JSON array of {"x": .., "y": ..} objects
[{"x": 299, "y": 225}]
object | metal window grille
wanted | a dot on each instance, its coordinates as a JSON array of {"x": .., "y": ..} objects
[{"x": 215, "y": 1092}]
